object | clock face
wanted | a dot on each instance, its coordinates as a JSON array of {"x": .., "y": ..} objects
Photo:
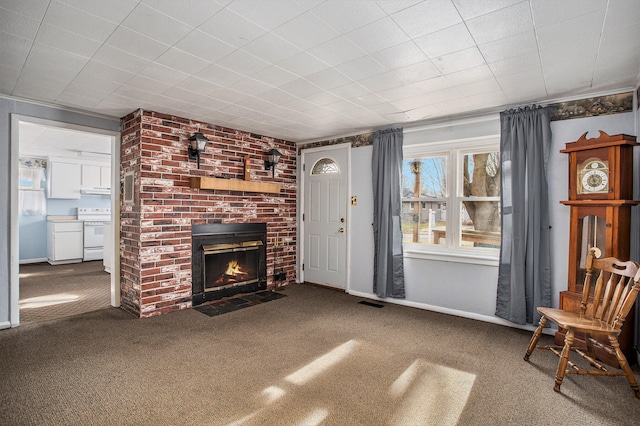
[{"x": 595, "y": 177}]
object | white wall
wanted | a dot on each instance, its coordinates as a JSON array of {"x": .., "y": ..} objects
[{"x": 461, "y": 288}]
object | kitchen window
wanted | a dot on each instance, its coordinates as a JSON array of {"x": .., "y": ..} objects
[{"x": 451, "y": 199}]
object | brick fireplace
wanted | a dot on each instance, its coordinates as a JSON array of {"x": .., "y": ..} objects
[{"x": 156, "y": 228}]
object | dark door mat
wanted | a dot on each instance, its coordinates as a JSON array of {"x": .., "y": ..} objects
[
  {"x": 230, "y": 304},
  {"x": 375, "y": 305}
]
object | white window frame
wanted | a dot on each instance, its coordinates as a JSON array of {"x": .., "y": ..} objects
[{"x": 454, "y": 151}]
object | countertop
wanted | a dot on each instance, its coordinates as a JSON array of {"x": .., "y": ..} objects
[{"x": 63, "y": 219}]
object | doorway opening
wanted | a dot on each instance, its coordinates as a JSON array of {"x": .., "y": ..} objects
[{"x": 60, "y": 171}]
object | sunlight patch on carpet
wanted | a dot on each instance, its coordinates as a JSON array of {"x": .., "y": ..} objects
[
  {"x": 321, "y": 364},
  {"x": 49, "y": 300},
  {"x": 432, "y": 394}
]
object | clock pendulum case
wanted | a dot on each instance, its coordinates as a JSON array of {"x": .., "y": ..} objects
[{"x": 600, "y": 198}]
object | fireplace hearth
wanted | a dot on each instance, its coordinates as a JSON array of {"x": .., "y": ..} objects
[{"x": 228, "y": 259}]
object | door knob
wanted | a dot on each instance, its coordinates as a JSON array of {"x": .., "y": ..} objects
[{"x": 341, "y": 230}]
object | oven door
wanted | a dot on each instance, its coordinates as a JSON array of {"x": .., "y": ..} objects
[{"x": 93, "y": 234}]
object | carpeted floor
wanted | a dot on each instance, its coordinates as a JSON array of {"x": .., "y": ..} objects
[
  {"x": 50, "y": 292},
  {"x": 314, "y": 357}
]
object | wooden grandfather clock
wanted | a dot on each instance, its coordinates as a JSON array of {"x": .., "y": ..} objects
[{"x": 600, "y": 198}]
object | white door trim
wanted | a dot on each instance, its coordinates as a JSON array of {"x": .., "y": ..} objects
[
  {"x": 300, "y": 237},
  {"x": 14, "y": 265}
]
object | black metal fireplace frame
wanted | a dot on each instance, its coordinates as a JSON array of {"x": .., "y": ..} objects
[{"x": 217, "y": 233}]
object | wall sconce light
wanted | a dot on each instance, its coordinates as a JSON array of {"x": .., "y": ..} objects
[
  {"x": 198, "y": 142},
  {"x": 273, "y": 156}
]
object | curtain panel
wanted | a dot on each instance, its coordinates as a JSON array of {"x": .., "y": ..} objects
[
  {"x": 388, "y": 274},
  {"x": 524, "y": 276}
]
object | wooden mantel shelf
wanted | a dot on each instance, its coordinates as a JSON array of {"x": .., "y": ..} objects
[{"x": 234, "y": 185}]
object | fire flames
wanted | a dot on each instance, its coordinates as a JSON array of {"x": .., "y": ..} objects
[{"x": 232, "y": 273}]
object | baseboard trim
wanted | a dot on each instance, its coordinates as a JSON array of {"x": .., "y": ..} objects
[
  {"x": 27, "y": 261},
  {"x": 455, "y": 312},
  {"x": 5, "y": 324}
]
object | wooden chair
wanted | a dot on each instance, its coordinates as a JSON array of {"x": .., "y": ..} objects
[{"x": 615, "y": 292}]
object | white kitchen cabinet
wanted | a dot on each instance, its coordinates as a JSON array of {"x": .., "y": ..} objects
[
  {"x": 96, "y": 177},
  {"x": 64, "y": 241},
  {"x": 64, "y": 180}
]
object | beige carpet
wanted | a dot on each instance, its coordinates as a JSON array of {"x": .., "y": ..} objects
[
  {"x": 50, "y": 292},
  {"x": 315, "y": 357}
]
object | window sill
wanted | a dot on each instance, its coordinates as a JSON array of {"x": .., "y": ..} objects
[{"x": 458, "y": 256}]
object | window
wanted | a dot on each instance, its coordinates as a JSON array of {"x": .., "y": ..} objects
[
  {"x": 451, "y": 198},
  {"x": 325, "y": 166}
]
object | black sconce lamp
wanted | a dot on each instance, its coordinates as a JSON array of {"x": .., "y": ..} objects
[
  {"x": 273, "y": 156},
  {"x": 198, "y": 142}
]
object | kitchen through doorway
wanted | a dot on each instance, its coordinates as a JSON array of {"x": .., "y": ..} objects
[{"x": 64, "y": 184}]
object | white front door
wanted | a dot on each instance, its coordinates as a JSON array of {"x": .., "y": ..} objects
[{"x": 325, "y": 179}]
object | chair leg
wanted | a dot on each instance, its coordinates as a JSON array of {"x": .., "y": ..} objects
[
  {"x": 535, "y": 338},
  {"x": 624, "y": 365},
  {"x": 564, "y": 360}
]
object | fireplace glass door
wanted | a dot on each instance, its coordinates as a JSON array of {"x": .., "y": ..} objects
[{"x": 229, "y": 265}]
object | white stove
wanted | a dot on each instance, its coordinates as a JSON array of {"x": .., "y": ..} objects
[{"x": 94, "y": 219}]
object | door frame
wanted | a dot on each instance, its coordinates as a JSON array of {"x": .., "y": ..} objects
[
  {"x": 301, "y": 208},
  {"x": 14, "y": 265}
]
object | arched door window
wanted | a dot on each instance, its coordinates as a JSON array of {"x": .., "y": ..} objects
[{"x": 325, "y": 166}]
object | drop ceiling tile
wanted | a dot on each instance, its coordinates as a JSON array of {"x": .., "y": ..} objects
[
  {"x": 479, "y": 87},
  {"x": 77, "y": 21},
  {"x": 583, "y": 27},
  {"x": 156, "y": 25},
  {"x": 380, "y": 82},
  {"x": 400, "y": 55},
  {"x": 216, "y": 74},
  {"x": 231, "y": 28},
  {"x": 547, "y": 13},
  {"x": 182, "y": 61},
  {"x": 470, "y": 9},
  {"x": 198, "y": 85},
  {"x": 393, "y": 6},
  {"x": 303, "y": 64},
  {"x": 34, "y": 9},
  {"x": 420, "y": 19},
  {"x": 523, "y": 43},
  {"x": 361, "y": 68},
  {"x": 117, "y": 58},
  {"x": 622, "y": 13},
  {"x": 459, "y": 61},
  {"x": 204, "y": 46},
  {"x": 328, "y": 79},
  {"x": 274, "y": 76},
  {"x": 56, "y": 75},
  {"x": 470, "y": 76},
  {"x": 50, "y": 56},
  {"x": 271, "y": 48},
  {"x": 136, "y": 44},
  {"x": 323, "y": 98},
  {"x": 502, "y": 23},
  {"x": 346, "y": 16},
  {"x": 163, "y": 74},
  {"x": 193, "y": 14},
  {"x": 455, "y": 106},
  {"x": 306, "y": 31},
  {"x": 17, "y": 24},
  {"x": 250, "y": 86},
  {"x": 337, "y": 51},
  {"x": 580, "y": 53},
  {"x": 443, "y": 42},
  {"x": 49, "y": 35},
  {"x": 378, "y": 36},
  {"x": 516, "y": 64},
  {"x": 301, "y": 88},
  {"x": 87, "y": 78},
  {"x": 184, "y": 95},
  {"x": 269, "y": 14},
  {"x": 417, "y": 72},
  {"x": 8, "y": 78},
  {"x": 528, "y": 78},
  {"x": 243, "y": 63},
  {"x": 147, "y": 84},
  {"x": 78, "y": 100},
  {"x": 486, "y": 100},
  {"x": 106, "y": 72},
  {"x": 14, "y": 50},
  {"x": 351, "y": 90},
  {"x": 279, "y": 96},
  {"x": 113, "y": 10}
]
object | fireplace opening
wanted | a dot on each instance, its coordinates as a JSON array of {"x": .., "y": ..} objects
[{"x": 228, "y": 259}]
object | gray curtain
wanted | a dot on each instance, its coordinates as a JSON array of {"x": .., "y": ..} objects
[
  {"x": 524, "y": 276},
  {"x": 388, "y": 273}
]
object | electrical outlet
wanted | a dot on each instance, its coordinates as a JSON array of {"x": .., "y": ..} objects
[{"x": 280, "y": 276}]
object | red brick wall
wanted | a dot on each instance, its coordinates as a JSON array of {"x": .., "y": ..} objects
[{"x": 155, "y": 238}]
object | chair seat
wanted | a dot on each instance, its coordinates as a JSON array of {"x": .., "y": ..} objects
[{"x": 576, "y": 321}]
